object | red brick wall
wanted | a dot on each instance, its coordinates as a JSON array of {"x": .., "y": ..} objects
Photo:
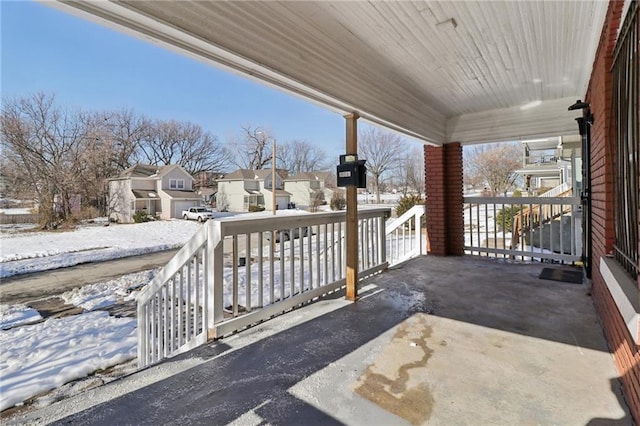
[
  {"x": 626, "y": 352},
  {"x": 443, "y": 188}
]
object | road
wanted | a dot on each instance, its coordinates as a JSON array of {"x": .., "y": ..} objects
[{"x": 24, "y": 288}]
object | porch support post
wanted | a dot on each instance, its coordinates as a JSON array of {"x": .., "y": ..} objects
[
  {"x": 352, "y": 213},
  {"x": 443, "y": 189}
]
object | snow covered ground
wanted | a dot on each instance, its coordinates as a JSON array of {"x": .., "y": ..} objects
[
  {"x": 37, "y": 356},
  {"x": 22, "y": 253}
]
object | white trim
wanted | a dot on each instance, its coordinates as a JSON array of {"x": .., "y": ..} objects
[{"x": 620, "y": 286}]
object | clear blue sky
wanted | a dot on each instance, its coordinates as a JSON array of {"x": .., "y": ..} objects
[{"x": 92, "y": 67}]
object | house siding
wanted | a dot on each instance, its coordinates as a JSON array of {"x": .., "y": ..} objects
[
  {"x": 300, "y": 192},
  {"x": 120, "y": 200},
  {"x": 625, "y": 351},
  {"x": 177, "y": 173},
  {"x": 235, "y": 192}
]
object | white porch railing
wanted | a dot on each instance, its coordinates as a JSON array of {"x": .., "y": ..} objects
[
  {"x": 557, "y": 191},
  {"x": 524, "y": 228},
  {"x": 230, "y": 275},
  {"x": 405, "y": 236}
]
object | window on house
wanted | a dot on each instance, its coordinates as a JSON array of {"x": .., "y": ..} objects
[
  {"x": 627, "y": 143},
  {"x": 176, "y": 184}
]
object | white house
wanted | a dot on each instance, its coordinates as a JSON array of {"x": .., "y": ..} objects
[
  {"x": 162, "y": 191},
  {"x": 242, "y": 189},
  {"x": 551, "y": 162},
  {"x": 308, "y": 188}
]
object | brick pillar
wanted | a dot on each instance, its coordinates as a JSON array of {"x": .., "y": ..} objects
[{"x": 443, "y": 188}]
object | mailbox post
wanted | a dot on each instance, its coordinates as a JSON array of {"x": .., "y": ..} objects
[{"x": 351, "y": 174}]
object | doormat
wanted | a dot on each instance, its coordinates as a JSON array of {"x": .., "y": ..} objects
[{"x": 563, "y": 275}]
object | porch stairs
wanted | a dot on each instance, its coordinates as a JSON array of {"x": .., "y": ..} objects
[{"x": 536, "y": 217}]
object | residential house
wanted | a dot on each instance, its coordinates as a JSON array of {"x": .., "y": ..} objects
[
  {"x": 552, "y": 162},
  {"x": 310, "y": 188},
  {"x": 162, "y": 191},
  {"x": 243, "y": 189}
]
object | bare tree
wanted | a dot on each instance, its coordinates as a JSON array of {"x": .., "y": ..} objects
[
  {"x": 251, "y": 150},
  {"x": 383, "y": 151},
  {"x": 493, "y": 165},
  {"x": 301, "y": 156},
  {"x": 410, "y": 176},
  {"x": 49, "y": 146},
  {"x": 126, "y": 131},
  {"x": 183, "y": 143}
]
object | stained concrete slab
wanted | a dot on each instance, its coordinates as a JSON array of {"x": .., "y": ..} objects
[{"x": 436, "y": 341}]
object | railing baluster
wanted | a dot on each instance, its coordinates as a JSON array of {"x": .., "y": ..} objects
[
  {"x": 319, "y": 282},
  {"x": 247, "y": 265},
  {"x": 234, "y": 283},
  {"x": 174, "y": 312},
  {"x": 310, "y": 259},
  {"x": 340, "y": 241},
  {"x": 281, "y": 262},
  {"x": 196, "y": 294},
  {"x": 301, "y": 256},
  {"x": 292, "y": 259},
  {"x": 260, "y": 270},
  {"x": 272, "y": 254},
  {"x": 333, "y": 252},
  {"x": 325, "y": 276}
]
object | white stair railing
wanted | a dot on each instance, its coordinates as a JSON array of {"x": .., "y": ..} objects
[
  {"x": 404, "y": 238},
  {"x": 555, "y": 192},
  {"x": 173, "y": 312}
]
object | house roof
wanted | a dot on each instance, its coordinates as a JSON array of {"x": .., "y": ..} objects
[
  {"x": 323, "y": 176},
  {"x": 278, "y": 191},
  {"x": 148, "y": 171},
  {"x": 245, "y": 174},
  {"x": 184, "y": 195},
  {"x": 441, "y": 71},
  {"x": 145, "y": 194}
]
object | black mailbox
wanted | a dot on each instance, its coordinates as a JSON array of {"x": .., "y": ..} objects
[{"x": 352, "y": 172}]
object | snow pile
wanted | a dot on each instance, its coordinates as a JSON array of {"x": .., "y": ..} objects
[
  {"x": 12, "y": 315},
  {"x": 105, "y": 294},
  {"x": 20, "y": 254},
  {"x": 40, "y": 357}
]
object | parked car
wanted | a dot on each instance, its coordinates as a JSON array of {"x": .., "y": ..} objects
[
  {"x": 197, "y": 213},
  {"x": 285, "y": 234}
]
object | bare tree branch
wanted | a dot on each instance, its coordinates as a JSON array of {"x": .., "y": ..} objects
[
  {"x": 493, "y": 165},
  {"x": 383, "y": 151}
]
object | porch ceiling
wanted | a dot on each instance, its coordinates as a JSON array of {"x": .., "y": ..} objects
[{"x": 440, "y": 71}]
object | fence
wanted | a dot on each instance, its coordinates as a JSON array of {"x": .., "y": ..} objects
[{"x": 524, "y": 228}]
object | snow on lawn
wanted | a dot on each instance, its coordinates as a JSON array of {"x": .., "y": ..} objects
[
  {"x": 105, "y": 294},
  {"x": 11, "y": 315},
  {"x": 41, "y": 251},
  {"x": 41, "y": 357}
]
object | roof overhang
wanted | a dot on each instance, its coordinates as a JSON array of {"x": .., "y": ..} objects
[{"x": 438, "y": 71}]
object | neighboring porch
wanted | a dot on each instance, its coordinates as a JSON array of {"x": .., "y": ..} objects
[{"x": 437, "y": 340}]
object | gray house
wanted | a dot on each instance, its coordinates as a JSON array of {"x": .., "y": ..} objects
[{"x": 162, "y": 191}]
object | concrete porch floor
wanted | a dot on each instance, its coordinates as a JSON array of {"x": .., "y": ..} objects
[{"x": 458, "y": 340}]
